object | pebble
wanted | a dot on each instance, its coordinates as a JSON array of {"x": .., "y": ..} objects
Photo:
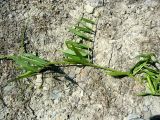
[
  {"x": 89, "y": 9},
  {"x": 134, "y": 117}
]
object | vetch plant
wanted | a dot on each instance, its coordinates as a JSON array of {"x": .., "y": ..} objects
[
  {"x": 147, "y": 69},
  {"x": 79, "y": 52}
]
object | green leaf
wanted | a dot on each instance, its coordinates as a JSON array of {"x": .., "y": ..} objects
[
  {"x": 150, "y": 85},
  {"x": 138, "y": 67},
  {"x": 80, "y": 34},
  {"x": 151, "y": 70},
  {"x": 26, "y": 75},
  {"x": 76, "y": 44},
  {"x": 71, "y": 52},
  {"x": 118, "y": 74},
  {"x": 77, "y": 51},
  {"x": 29, "y": 62},
  {"x": 34, "y": 60},
  {"x": 84, "y": 29},
  {"x": 23, "y": 64},
  {"x": 149, "y": 57},
  {"x": 149, "y": 73},
  {"x": 75, "y": 59},
  {"x": 86, "y": 26},
  {"x": 156, "y": 83},
  {"x": 87, "y": 20}
]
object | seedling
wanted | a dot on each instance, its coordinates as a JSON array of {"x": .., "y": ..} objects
[{"x": 78, "y": 53}]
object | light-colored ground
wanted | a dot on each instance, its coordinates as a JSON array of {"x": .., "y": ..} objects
[{"x": 125, "y": 28}]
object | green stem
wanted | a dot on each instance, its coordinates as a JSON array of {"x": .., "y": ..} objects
[{"x": 62, "y": 64}]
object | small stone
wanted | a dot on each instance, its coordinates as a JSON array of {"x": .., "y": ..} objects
[
  {"x": 145, "y": 108},
  {"x": 55, "y": 95},
  {"x": 53, "y": 114},
  {"x": 45, "y": 88},
  {"x": 133, "y": 117},
  {"x": 95, "y": 3},
  {"x": 75, "y": 13},
  {"x": 38, "y": 81},
  {"x": 89, "y": 9},
  {"x": 146, "y": 115},
  {"x": 8, "y": 89},
  {"x": 2, "y": 117}
]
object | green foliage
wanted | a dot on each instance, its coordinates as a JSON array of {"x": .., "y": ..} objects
[
  {"x": 76, "y": 44},
  {"x": 87, "y": 20},
  {"x": 80, "y": 34},
  {"x": 118, "y": 74},
  {"x": 147, "y": 71},
  {"x": 78, "y": 53},
  {"x": 29, "y": 64},
  {"x": 136, "y": 69}
]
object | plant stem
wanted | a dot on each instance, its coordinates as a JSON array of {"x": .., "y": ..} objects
[
  {"x": 100, "y": 67},
  {"x": 63, "y": 64}
]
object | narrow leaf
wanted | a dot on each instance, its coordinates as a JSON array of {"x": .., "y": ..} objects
[
  {"x": 84, "y": 29},
  {"x": 138, "y": 67},
  {"x": 76, "y": 60},
  {"x": 76, "y": 44},
  {"x": 149, "y": 73},
  {"x": 118, "y": 74},
  {"x": 151, "y": 70},
  {"x": 86, "y": 26},
  {"x": 35, "y": 59},
  {"x": 80, "y": 34},
  {"x": 77, "y": 52},
  {"x": 149, "y": 57},
  {"x": 23, "y": 64},
  {"x": 71, "y": 52},
  {"x": 87, "y": 20},
  {"x": 150, "y": 84},
  {"x": 26, "y": 75}
]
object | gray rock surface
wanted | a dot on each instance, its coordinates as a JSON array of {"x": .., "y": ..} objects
[{"x": 125, "y": 28}]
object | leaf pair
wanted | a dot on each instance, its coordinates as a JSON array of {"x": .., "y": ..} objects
[
  {"x": 73, "y": 47},
  {"x": 83, "y": 28},
  {"x": 30, "y": 63},
  {"x": 76, "y": 52}
]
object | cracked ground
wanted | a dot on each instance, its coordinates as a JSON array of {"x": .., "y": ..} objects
[{"x": 125, "y": 28}]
